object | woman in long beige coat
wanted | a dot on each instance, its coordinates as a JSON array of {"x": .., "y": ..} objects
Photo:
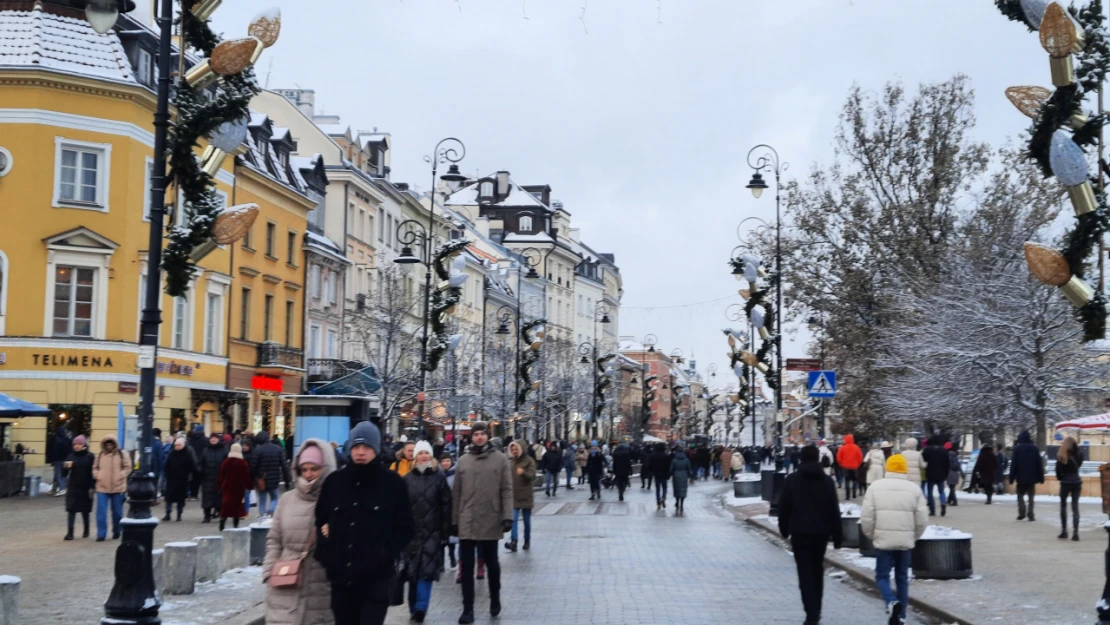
[{"x": 294, "y": 524}]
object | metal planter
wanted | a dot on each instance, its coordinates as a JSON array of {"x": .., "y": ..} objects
[
  {"x": 946, "y": 558},
  {"x": 747, "y": 488},
  {"x": 866, "y": 547},
  {"x": 849, "y": 527}
]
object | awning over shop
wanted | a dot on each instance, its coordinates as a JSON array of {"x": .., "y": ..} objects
[
  {"x": 13, "y": 407},
  {"x": 363, "y": 382},
  {"x": 1096, "y": 422}
]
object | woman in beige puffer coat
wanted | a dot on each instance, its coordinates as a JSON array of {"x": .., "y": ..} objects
[
  {"x": 293, "y": 524},
  {"x": 915, "y": 464}
]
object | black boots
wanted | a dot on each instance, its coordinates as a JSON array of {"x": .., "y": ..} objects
[
  {"x": 494, "y": 606},
  {"x": 511, "y": 546},
  {"x": 527, "y": 545},
  {"x": 467, "y": 616}
]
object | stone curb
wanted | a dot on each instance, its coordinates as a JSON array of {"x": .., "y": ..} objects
[
  {"x": 254, "y": 615},
  {"x": 857, "y": 574}
]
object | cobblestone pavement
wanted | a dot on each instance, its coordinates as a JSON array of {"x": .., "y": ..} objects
[
  {"x": 66, "y": 583},
  {"x": 617, "y": 563},
  {"x": 607, "y": 563}
]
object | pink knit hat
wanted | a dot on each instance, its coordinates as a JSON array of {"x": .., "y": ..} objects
[
  {"x": 80, "y": 440},
  {"x": 312, "y": 454}
]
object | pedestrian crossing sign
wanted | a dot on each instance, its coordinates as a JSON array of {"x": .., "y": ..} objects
[{"x": 822, "y": 384}]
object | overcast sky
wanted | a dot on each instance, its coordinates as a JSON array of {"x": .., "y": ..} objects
[{"x": 640, "y": 125}]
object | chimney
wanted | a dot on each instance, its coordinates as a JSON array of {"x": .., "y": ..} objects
[
  {"x": 481, "y": 224},
  {"x": 575, "y": 235}
]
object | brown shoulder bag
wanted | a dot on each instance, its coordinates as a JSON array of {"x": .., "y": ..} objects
[{"x": 289, "y": 573}]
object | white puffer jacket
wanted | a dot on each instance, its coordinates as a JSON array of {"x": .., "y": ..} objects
[
  {"x": 876, "y": 465},
  {"x": 894, "y": 513},
  {"x": 915, "y": 464}
]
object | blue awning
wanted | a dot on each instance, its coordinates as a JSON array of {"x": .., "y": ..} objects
[{"x": 12, "y": 407}]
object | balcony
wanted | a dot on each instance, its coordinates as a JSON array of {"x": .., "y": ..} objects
[
  {"x": 275, "y": 355},
  {"x": 322, "y": 370}
]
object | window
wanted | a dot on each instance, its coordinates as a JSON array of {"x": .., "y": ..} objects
[
  {"x": 351, "y": 220},
  {"x": 245, "y": 314},
  {"x": 268, "y": 317},
  {"x": 362, "y": 235},
  {"x": 212, "y": 315},
  {"x": 180, "y": 323},
  {"x": 73, "y": 300},
  {"x": 271, "y": 234},
  {"x": 381, "y": 226},
  {"x": 291, "y": 247},
  {"x": 289, "y": 322},
  {"x": 81, "y": 174},
  {"x": 331, "y": 287},
  {"x": 581, "y": 310},
  {"x": 369, "y": 225},
  {"x": 525, "y": 223},
  {"x": 333, "y": 343},
  {"x": 247, "y": 239},
  {"x": 389, "y": 231},
  {"x": 314, "y": 282},
  {"x": 144, "y": 67},
  {"x": 314, "y": 341},
  {"x": 146, "y": 188}
]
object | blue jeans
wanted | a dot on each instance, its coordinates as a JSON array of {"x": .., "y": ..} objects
[
  {"x": 570, "y": 474},
  {"x": 660, "y": 490},
  {"x": 527, "y": 514},
  {"x": 900, "y": 562},
  {"x": 551, "y": 481},
  {"x": 103, "y": 500},
  {"x": 939, "y": 485},
  {"x": 59, "y": 479},
  {"x": 272, "y": 493},
  {"x": 247, "y": 501},
  {"x": 420, "y": 595}
]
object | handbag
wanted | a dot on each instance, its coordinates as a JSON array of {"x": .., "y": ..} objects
[
  {"x": 289, "y": 573},
  {"x": 397, "y": 583}
]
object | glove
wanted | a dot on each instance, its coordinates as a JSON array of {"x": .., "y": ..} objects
[{"x": 506, "y": 526}]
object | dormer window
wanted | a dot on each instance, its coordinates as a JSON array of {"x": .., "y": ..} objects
[
  {"x": 525, "y": 224},
  {"x": 283, "y": 159},
  {"x": 144, "y": 67},
  {"x": 487, "y": 191}
]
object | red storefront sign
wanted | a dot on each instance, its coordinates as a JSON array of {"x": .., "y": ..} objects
[{"x": 267, "y": 383}]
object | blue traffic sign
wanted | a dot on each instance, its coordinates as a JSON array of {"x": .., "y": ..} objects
[{"x": 822, "y": 384}]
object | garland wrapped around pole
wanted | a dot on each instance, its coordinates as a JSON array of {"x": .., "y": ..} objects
[
  {"x": 527, "y": 359},
  {"x": 1079, "y": 52},
  {"x": 445, "y": 297},
  {"x": 200, "y": 113},
  {"x": 760, "y": 311}
]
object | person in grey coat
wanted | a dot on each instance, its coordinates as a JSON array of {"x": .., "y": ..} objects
[{"x": 681, "y": 469}]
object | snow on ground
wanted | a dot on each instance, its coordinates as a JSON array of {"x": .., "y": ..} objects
[
  {"x": 744, "y": 501},
  {"x": 940, "y": 532},
  {"x": 215, "y": 602},
  {"x": 962, "y": 496},
  {"x": 850, "y": 510}
]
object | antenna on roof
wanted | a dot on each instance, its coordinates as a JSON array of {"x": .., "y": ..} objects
[{"x": 269, "y": 70}]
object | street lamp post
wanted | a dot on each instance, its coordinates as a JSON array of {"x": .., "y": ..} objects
[
  {"x": 770, "y": 161},
  {"x": 504, "y": 315},
  {"x": 449, "y": 150}
]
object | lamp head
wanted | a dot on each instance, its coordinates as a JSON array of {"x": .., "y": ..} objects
[
  {"x": 406, "y": 257},
  {"x": 757, "y": 184},
  {"x": 502, "y": 329},
  {"x": 102, "y": 14},
  {"x": 605, "y": 318},
  {"x": 453, "y": 178}
]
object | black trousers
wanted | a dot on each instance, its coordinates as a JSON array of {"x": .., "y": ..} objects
[
  {"x": 850, "y": 483},
  {"x": 487, "y": 551},
  {"x": 356, "y": 606},
  {"x": 645, "y": 478},
  {"x": 72, "y": 516},
  {"x": 809, "y": 556},
  {"x": 1073, "y": 490},
  {"x": 1026, "y": 491}
]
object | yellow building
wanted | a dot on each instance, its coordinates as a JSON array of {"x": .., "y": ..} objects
[
  {"x": 76, "y": 140},
  {"x": 267, "y": 315}
]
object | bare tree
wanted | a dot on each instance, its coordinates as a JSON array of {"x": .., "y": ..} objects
[{"x": 391, "y": 345}]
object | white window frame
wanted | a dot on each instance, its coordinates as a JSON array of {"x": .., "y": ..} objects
[
  {"x": 104, "y": 168},
  {"x": 332, "y": 288},
  {"x": 524, "y": 224},
  {"x": 148, "y": 175},
  {"x": 213, "y": 321},
  {"x": 314, "y": 341},
  {"x": 98, "y": 260},
  {"x": 5, "y": 286},
  {"x": 185, "y": 318},
  {"x": 331, "y": 348}
]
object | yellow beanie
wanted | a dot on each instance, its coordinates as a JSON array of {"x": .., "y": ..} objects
[{"x": 896, "y": 464}]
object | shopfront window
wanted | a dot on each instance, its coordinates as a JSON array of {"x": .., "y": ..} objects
[
  {"x": 178, "y": 421},
  {"x": 75, "y": 418}
]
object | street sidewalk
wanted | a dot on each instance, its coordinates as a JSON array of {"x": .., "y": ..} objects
[{"x": 1022, "y": 572}]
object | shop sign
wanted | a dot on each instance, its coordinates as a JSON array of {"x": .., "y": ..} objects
[
  {"x": 61, "y": 360},
  {"x": 128, "y": 387},
  {"x": 174, "y": 368},
  {"x": 267, "y": 383}
]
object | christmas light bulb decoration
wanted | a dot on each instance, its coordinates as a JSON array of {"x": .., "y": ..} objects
[
  {"x": 228, "y": 136},
  {"x": 738, "y": 370},
  {"x": 235, "y": 55},
  {"x": 1069, "y": 165},
  {"x": 751, "y": 267},
  {"x": 759, "y": 319},
  {"x": 1030, "y": 101},
  {"x": 1059, "y": 37},
  {"x": 266, "y": 26},
  {"x": 205, "y": 8},
  {"x": 751, "y": 360},
  {"x": 1051, "y": 268},
  {"x": 746, "y": 294},
  {"x": 234, "y": 223},
  {"x": 1034, "y": 11}
]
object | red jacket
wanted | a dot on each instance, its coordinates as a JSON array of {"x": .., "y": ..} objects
[{"x": 849, "y": 456}]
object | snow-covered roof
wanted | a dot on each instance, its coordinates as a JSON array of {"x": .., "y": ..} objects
[
  {"x": 334, "y": 130},
  {"x": 40, "y": 39},
  {"x": 262, "y": 157},
  {"x": 517, "y": 198},
  {"x": 325, "y": 246},
  {"x": 537, "y": 237}
]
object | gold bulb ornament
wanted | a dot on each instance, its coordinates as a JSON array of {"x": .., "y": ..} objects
[
  {"x": 203, "y": 9},
  {"x": 746, "y": 294},
  {"x": 234, "y": 223},
  {"x": 228, "y": 58},
  {"x": 1051, "y": 268},
  {"x": 731, "y": 342},
  {"x": 1060, "y": 37},
  {"x": 751, "y": 360},
  {"x": 266, "y": 26},
  {"x": 1030, "y": 101}
]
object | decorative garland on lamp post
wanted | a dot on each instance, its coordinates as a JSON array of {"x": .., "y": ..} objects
[
  {"x": 1068, "y": 35},
  {"x": 219, "y": 117},
  {"x": 531, "y": 334},
  {"x": 444, "y": 299},
  {"x": 760, "y": 310}
]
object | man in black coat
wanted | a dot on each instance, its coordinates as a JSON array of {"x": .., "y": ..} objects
[
  {"x": 552, "y": 464},
  {"x": 271, "y": 469},
  {"x": 809, "y": 515},
  {"x": 363, "y": 522},
  {"x": 210, "y": 460},
  {"x": 622, "y": 467},
  {"x": 659, "y": 463},
  {"x": 1027, "y": 470},
  {"x": 196, "y": 443},
  {"x": 936, "y": 472}
]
